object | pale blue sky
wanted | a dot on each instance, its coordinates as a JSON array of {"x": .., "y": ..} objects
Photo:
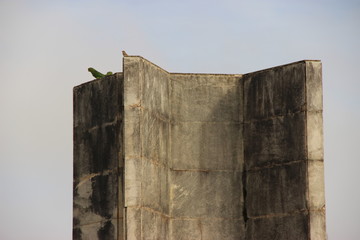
[{"x": 47, "y": 46}]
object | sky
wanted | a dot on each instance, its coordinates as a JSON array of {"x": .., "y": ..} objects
[{"x": 47, "y": 46}]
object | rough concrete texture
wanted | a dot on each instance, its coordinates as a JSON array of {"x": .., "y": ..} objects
[
  {"x": 206, "y": 195},
  {"x": 147, "y": 121},
  {"x": 161, "y": 155},
  {"x": 283, "y": 150},
  {"x": 98, "y": 162}
]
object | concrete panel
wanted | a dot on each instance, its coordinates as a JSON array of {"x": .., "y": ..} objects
[
  {"x": 206, "y": 146},
  {"x": 151, "y": 186},
  {"x": 98, "y": 102},
  {"x": 280, "y": 228},
  {"x": 146, "y": 147},
  {"x": 144, "y": 223},
  {"x": 97, "y": 149},
  {"x": 82, "y": 213},
  {"x": 133, "y": 224},
  {"x": 227, "y": 229},
  {"x": 205, "y": 97},
  {"x": 155, "y": 90},
  {"x": 317, "y": 225},
  {"x": 132, "y": 139},
  {"x": 133, "y": 181},
  {"x": 99, "y": 230},
  {"x": 96, "y": 199},
  {"x": 154, "y": 137},
  {"x": 274, "y": 141},
  {"x": 283, "y": 144},
  {"x": 206, "y": 157},
  {"x": 98, "y": 161},
  {"x": 314, "y": 96},
  {"x": 133, "y": 77},
  {"x": 315, "y": 149},
  {"x": 104, "y": 196},
  {"x": 276, "y": 190},
  {"x": 316, "y": 194},
  {"x": 275, "y": 91},
  {"x": 185, "y": 229},
  {"x": 155, "y": 225},
  {"x": 209, "y": 229},
  {"x": 206, "y": 194},
  {"x": 315, "y": 154}
]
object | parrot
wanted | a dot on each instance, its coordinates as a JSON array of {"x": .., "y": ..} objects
[{"x": 97, "y": 74}]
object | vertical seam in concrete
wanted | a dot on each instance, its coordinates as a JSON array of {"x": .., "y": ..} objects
[
  {"x": 118, "y": 173},
  {"x": 306, "y": 151},
  {"x": 244, "y": 173},
  {"x": 122, "y": 142},
  {"x": 118, "y": 193},
  {"x": 200, "y": 228},
  {"x": 73, "y": 165},
  {"x": 141, "y": 79},
  {"x": 123, "y": 152},
  {"x": 169, "y": 155}
]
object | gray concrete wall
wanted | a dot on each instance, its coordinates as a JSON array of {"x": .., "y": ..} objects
[
  {"x": 147, "y": 126},
  {"x": 206, "y": 200},
  {"x": 284, "y": 152},
  {"x": 161, "y": 155},
  {"x": 98, "y": 175}
]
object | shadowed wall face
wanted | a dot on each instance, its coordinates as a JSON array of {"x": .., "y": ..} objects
[
  {"x": 206, "y": 200},
  {"x": 98, "y": 124},
  {"x": 147, "y": 121},
  {"x": 185, "y": 179},
  {"x": 160, "y": 155},
  {"x": 284, "y": 152}
]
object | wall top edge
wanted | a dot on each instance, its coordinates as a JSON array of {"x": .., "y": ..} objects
[
  {"x": 195, "y": 74},
  {"x": 176, "y": 73},
  {"x": 120, "y": 74},
  {"x": 136, "y": 56},
  {"x": 209, "y": 74},
  {"x": 284, "y": 65}
]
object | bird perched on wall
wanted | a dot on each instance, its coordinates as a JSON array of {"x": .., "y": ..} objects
[
  {"x": 125, "y": 54},
  {"x": 97, "y": 74}
]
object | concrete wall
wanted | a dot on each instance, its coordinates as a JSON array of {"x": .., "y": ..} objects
[
  {"x": 199, "y": 156},
  {"x": 206, "y": 200},
  {"x": 284, "y": 152},
  {"x": 147, "y": 126},
  {"x": 98, "y": 175}
]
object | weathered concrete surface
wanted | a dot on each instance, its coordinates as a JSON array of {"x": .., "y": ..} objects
[
  {"x": 147, "y": 126},
  {"x": 283, "y": 227},
  {"x": 315, "y": 150},
  {"x": 98, "y": 176},
  {"x": 284, "y": 152},
  {"x": 161, "y": 155},
  {"x": 206, "y": 195},
  {"x": 206, "y": 109},
  {"x": 164, "y": 112}
]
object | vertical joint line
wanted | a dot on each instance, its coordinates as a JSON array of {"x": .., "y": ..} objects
[
  {"x": 141, "y": 80},
  {"x": 244, "y": 174},
  {"x": 306, "y": 151},
  {"x": 122, "y": 142},
  {"x": 245, "y": 216}
]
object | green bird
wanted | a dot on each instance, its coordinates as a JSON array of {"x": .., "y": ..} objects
[{"x": 97, "y": 74}]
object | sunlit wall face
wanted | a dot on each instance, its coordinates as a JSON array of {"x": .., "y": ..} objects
[{"x": 47, "y": 46}]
